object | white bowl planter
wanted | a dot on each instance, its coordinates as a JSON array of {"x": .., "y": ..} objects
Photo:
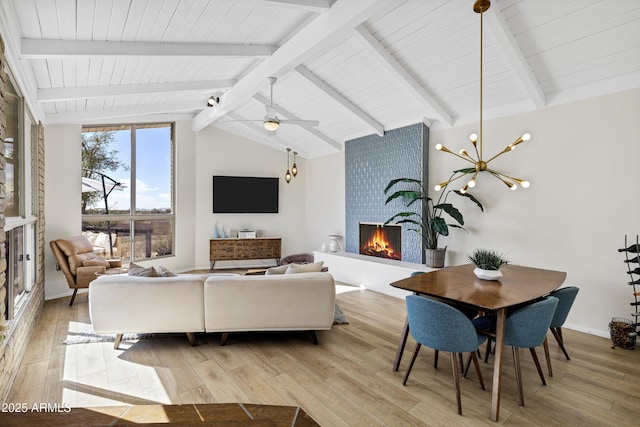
[{"x": 487, "y": 274}]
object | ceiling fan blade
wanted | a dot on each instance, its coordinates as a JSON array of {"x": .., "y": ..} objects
[
  {"x": 300, "y": 122},
  {"x": 247, "y": 120}
]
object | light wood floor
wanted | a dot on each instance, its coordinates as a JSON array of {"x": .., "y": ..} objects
[{"x": 347, "y": 380}]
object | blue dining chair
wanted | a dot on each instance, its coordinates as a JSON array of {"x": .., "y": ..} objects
[
  {"x": 566, "y": 297},
  {"x": 442, "y": 327},
  {"x": 526, "y": 327}
]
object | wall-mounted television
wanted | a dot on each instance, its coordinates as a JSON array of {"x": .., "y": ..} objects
[{"x": 245, "y": 194}]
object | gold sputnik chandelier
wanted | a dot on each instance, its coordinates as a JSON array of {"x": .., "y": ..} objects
[{"x": 479, "y": 164}]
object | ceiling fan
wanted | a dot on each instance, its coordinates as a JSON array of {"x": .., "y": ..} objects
[{"x": 271, "y": 122}]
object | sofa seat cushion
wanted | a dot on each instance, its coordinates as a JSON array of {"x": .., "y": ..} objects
[
  {"x": 304, "y": 301},
  {"x": 126, "y": 304}
]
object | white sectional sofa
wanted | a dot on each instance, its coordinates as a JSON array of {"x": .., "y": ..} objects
[{"x": 211, "y": 303}]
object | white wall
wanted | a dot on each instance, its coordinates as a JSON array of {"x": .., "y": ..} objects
[
  {"x": 62, "y": 191},
  {"x": 325, "y": 200},
  {"x": 222, "y": 153},
  {"x": 63, "y": 166},
  {"x": 583, "y": 161}
]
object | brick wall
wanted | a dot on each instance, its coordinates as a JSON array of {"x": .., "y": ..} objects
[{"x": 14, "y": 345}]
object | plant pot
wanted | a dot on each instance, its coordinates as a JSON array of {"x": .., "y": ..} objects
[
  {"x": 487, "y": 274},
  {"x": 434, "y": 258}
]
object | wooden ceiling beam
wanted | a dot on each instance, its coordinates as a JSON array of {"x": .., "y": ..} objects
[
  {"x": 510, "y": 47},
  {"x": 86, "y": 92},
  {"x": 402, "y": 76},
  {"x": 116, "y": 113},
  {"x": 308, "y": 5},
  {"x": 49, "y": 48},
  {"x": 318, "y": 35},
  {"x": 340, "y": 99}
]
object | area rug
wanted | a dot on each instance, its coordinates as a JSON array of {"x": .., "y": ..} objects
[
  {"x": 88, "y": 336},
  {"x": 338, "y": 316}
]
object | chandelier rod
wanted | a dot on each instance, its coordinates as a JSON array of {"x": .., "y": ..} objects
[{"x": 481, "y": 38}]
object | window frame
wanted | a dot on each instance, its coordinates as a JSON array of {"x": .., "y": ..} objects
[
  {"x": 26, "y": 208},
  {"x": 132, "y": 217}
]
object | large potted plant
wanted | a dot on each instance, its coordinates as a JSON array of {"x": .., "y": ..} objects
[{"x": 431, "y": 223}]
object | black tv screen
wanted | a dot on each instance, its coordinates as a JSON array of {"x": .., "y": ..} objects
[{"x": 245, "y": 194}]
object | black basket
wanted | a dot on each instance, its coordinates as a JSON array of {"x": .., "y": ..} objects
[{"x": 623, "y": 333}]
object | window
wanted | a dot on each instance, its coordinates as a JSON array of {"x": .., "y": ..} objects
[
  {"x": 19, "y": 240},
  {"x": 128, "y": 190}
]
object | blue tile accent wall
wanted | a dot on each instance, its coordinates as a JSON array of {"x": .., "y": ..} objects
[{"x": 371, "y": 162}]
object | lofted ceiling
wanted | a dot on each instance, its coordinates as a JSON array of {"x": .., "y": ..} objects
[{"x": 359, "y": 67}]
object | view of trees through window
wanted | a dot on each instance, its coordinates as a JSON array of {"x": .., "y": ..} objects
[{"x": 127, "y": 190}]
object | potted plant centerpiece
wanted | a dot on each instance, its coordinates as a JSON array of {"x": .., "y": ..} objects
[
  {"x": 431, "y": 223},
  {"x": 488, "y": 263}
]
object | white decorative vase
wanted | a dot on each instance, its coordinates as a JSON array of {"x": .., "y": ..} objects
[{"x": 487, "y": 274}]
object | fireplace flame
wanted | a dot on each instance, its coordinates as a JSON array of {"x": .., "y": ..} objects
[{"x": 379, "y": 245}]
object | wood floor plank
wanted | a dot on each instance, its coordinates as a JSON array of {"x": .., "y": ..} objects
[{"x": 346, "y": 380}]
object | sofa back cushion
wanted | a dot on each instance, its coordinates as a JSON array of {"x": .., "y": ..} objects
[
  {"x": 314, "y": 267},
  {"x": 283, "y": 302}
]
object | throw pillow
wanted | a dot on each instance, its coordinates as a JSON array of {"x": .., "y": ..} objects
[
  {"x": 164, "y": 272},
  {"x": 281, "y": 269},
  {"x": 304, "y": 268},
  {"x": 97, "y": 261},
  {"x": 140, "y": 271}
]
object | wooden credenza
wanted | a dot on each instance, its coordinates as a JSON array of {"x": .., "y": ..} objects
[{"x": 241, "y": 249}]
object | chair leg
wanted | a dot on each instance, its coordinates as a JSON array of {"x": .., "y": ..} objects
[
  {"x": 477, "y": 365},
  {"x": 461, "y": 363},
  {"x": 545, "y": 344},
  {"x": 75, "y": 291},
  {"x": 413, "y": 359},
  {"x": 537, "y": 362},
  {"x": 486, "y": 354},
  {"x": 456, "y": 380},
  {"x": 516, "y": 362},
  {"x": 435, "y": 359},
  {"x": 557, "y": 333}
]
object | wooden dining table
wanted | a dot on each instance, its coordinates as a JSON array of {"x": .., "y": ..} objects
[{"x": 459, "y": 286}]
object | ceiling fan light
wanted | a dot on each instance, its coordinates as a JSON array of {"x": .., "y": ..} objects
[
  {"x": 271, "y": 124},
  {"x": 213, "y": 100}
]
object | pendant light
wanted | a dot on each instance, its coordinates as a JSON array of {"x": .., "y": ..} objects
[
  {"x": 294, "y": 168},
  {"x": 479, "y": 164},
  {"x": 287, "y": 175}
]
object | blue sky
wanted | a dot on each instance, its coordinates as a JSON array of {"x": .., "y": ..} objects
[{"x": 153, "y": 184}]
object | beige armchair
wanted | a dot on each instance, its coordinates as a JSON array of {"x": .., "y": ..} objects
[{"x": 79, "y": 263}]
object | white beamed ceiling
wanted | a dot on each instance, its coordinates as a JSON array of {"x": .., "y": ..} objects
[{"x": 357, "y": 66}]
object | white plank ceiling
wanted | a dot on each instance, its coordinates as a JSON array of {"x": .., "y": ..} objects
[{"x": 359, "y": 67}]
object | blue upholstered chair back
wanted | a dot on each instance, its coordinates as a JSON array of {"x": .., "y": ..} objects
[
  {"x": 440, "y": 326},
  {"x": 566, "y": 297},
  {"x": 528, "y": 326}
]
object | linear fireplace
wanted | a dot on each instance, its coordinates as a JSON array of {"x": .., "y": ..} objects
[{"x": 382, "y": 241}]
